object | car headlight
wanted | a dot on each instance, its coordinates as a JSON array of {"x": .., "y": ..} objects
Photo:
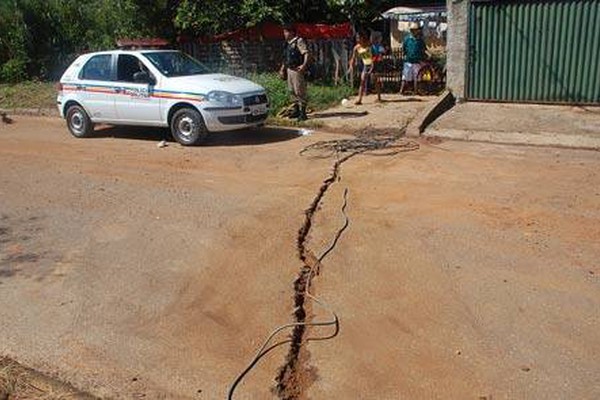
[{"x": 225, "y": 98}]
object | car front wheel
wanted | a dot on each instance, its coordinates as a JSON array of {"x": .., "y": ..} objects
[
  {"x": 187, "y": 127},
  {"x": 79, "y": 122}
]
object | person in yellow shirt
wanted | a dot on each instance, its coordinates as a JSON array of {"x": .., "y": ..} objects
[
  {"x": 362, "y": 51},
  {"x": 378, "y": 51}
]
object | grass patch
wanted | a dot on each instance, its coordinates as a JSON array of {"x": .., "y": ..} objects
[
  {"x": 322, "y": 97},
  {"x": 286, "y": 122},
  {"x": 28, "y": 95}
]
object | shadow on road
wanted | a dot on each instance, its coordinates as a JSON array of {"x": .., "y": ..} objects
[
  {"x": 341, "y": 114},
  {"x": 246, "y": 137},
  {"x": 131, "y": 132},
  {"x": 403, "y": 100},
  {"x": 249, "y": 137},
  {"x": 593, "y": 110}
]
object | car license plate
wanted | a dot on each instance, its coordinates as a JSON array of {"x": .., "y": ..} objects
[{"x": 260, "y": 109}]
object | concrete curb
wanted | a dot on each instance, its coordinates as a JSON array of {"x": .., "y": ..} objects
[
  {"x": 36, "y": 112},
  {"x": 534, "y": 139},
  {"x": 443, "y": 103}
]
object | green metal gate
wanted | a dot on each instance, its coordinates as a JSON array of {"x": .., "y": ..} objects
[{"x": 535, "y": 51}]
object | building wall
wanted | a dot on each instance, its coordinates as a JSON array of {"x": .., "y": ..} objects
[
  {"x": 396, "y": 35},
  {"x": 399, "y": 30},
  {"x": 457, "y": 47}
]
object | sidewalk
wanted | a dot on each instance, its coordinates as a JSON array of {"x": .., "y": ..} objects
[
  {"x": 564, "y": 126},
  {"x": 393, "y": 112}
]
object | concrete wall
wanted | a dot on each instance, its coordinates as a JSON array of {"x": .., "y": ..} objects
[{"x": 457, "y": 47}]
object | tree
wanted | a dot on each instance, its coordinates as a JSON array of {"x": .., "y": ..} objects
[
  {"x": 38, "y": 38},
  {"x": 218, "y": 16},
  {"x": 13, "y": 43}
]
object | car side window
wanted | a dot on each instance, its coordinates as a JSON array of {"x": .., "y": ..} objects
[
  {"x": 98, "y": 68},
  {"x": 128, "y": 66}
]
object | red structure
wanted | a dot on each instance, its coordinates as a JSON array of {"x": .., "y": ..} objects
[
  {"x": 144, "y": 43},
  {"x": 271, "y": 31}
]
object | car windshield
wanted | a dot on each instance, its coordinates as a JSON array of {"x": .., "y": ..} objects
[{"x": 175, "y": 63}]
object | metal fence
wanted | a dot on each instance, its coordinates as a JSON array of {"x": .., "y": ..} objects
[
  {"x": 535, "y": 51},
  {"x": 391, "y": 67},
  {"x": 331, "y": 60}
]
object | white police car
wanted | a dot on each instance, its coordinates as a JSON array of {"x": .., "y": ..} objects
[{"x": 163, "y": 88}]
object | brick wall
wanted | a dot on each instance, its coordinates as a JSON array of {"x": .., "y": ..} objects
[{"x": 243, "y": 57}]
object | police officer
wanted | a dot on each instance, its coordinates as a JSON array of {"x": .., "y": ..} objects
[{"x": 295, "y": 62}]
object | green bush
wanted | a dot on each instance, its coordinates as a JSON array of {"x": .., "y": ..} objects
[
  {"x": 14, "y": 70},
  {"x": 276, "y": 89},
  {"x": 320, "y": 96}
]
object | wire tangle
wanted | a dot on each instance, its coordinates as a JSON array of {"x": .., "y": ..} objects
[{"x": 369, "y": 140}]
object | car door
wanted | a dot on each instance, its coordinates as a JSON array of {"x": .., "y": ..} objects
[
  {"x": 134, "y": 102},
  {"x": 96, "y": 87}
]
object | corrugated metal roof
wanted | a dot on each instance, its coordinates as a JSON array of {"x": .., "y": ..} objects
[{"x": 409, "y": 13}]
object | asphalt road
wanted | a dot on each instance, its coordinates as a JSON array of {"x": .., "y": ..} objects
[{"x": 467, "y": 270}]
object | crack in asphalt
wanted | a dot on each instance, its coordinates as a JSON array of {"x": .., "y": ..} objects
[
  {"x": 295, "y": 375},
  {"x": 287, "y": 386}
]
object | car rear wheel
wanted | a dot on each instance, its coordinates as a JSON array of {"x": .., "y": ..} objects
[
  {"x": 187, "y": 127},
  {"x": 79, "y": 122}
]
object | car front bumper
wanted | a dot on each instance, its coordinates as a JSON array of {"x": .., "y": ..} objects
[
  {"x": 223, "y": 119},
  {"x": 59, "y": 105}
]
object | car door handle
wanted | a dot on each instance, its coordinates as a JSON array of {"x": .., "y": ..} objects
[{"x": 118, "y": 90}]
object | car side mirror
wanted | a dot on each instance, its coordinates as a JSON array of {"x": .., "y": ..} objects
[{"x": 143, "y": 77}]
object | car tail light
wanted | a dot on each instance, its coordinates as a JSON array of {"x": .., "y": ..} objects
[{"x": 59, "y": 87}]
